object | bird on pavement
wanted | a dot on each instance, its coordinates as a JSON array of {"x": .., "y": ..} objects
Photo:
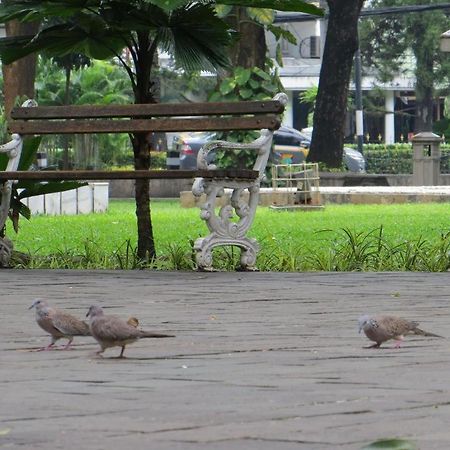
[
  {"x": 59, "y": 324},
  {"x": 383, "y": 328},
  {"x": 111, "y": 331}
]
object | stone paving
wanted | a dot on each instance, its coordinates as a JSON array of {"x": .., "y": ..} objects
[{"x": 260, "y": 361}]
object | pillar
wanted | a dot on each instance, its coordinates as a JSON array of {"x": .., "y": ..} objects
[{"x": 389, "y": 123}]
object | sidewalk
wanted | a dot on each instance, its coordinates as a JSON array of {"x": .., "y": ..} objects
[{"x": 260, "y": 361}]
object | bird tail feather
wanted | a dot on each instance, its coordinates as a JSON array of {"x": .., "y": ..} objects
[
  {"x": 149, "y": 334},
  {"x": 420, "y": 332}
]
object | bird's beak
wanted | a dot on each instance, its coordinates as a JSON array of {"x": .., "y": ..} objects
[
  {"x": 32, "y": 306},
  {"x": 87, "y": 314},
  {"x": 360, "y": 329}
]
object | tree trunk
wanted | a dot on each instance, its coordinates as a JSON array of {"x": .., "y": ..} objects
[
  {"x": 250, "y": 49},
  {"x": 68, "y": 72},
  {"x": 19, "y": 76},
  {"x": 424, "y": 85},
  {"x": 144, "y": 93},
  {"x": 331, "y": 103},
  {"x": 146, "y": 250},
  {"x": 424, "y": 109}
]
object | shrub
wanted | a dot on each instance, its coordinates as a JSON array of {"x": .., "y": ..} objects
[{"x": 396, "y": 158}]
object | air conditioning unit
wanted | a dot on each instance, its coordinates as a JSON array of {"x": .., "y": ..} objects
[{"x": 314, "y": 46}]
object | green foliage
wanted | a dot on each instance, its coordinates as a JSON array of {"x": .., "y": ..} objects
[
  {"x": 158, "y": 160},
  {"x": 244, "y": 85},
  {"x": 386, "y": 238},
  {"x": 396, "y": 158},
  {"x": 391, "y": 444},
  {"x": 309, "y": 96},
  {"x": 280, "y": 5},
  {"x": 103, "y": 82},
  {"x": 381, "y": 158},
  {"x": 248, "y": 84},
  {"x": 180, "y": 86},
  {"x": 406, "y": 44},
  {"x": 192, "y": 32},
  {"x": 442, "y": 128}
]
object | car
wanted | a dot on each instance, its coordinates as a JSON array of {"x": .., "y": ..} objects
[
  {"x": 353, "y": 159},
  {"x": 187, "y": 145},
  {"x": 290, "y": 146}
]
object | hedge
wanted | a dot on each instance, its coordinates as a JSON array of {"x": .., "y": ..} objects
[{"x": 397, "y": 158}]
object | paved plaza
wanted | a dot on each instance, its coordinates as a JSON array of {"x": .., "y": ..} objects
[{"x": 260, "y": 361}]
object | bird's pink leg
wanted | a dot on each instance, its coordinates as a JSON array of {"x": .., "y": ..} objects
[
  {"x": 49, "y": 347},
  {"x": 66, "y": 347},
  {"x": 398, "y": 342}
]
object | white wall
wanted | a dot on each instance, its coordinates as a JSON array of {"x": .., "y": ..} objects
[{"x": 88, "y": 199}]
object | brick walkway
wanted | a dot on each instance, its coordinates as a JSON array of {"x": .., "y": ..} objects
[{"x": 260, "y": 361}]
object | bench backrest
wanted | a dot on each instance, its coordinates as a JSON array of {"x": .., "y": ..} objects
[{"x": 218, "y": 116}]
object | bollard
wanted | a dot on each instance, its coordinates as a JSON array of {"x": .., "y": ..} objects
[
  {"x": 173, "y": 159},
  {"x": 426, "y": 159},
  {"x": 41, "y": 159}
]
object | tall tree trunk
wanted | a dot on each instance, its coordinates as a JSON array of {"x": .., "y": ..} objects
[
  {"x": 424, "y": 84},
  {"x": 68, "y": 71},
  {"x": 250, "y": 49},
  {"x": 424, "y": 109},
  {"x": 19, "y": 76},
  {"x": 146, "y": 250},
  {"x": 331, "y": 103},
  {"x": 144, "y": 93}
]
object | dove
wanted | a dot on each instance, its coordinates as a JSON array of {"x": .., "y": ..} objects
[
  {"x": 58, "y": 324},
  {"x": 111, "y": 331},
  {"x": 383, "y": 328}
]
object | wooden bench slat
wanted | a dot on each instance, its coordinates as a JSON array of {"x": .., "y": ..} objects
[
  {"x": 83, "y": 126},
  {"x": 150, "y": 110},
  {"x": 241, "y": 174}
]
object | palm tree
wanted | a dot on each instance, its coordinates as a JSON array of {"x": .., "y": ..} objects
[{"x": 190, "y": 30}]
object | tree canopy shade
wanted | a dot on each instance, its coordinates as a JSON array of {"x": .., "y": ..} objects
[{"x": 191, "y": 31}]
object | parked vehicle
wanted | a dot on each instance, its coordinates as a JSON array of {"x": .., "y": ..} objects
[
  {"x": 290, "y": 146},
  {"x": 353, "y": 159}
]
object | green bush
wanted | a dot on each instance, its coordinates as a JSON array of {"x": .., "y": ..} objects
[
  {"x": 158, "y": 160},
  {"x": 396, "y": 158}
]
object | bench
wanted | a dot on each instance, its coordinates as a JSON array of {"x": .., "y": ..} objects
[{"x": 31, "y": 119}]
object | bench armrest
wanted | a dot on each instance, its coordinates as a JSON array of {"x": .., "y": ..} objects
[{"x": 262, "y": 145}]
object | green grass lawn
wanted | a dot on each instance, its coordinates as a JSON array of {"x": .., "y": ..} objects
[{"x": 289, "y": 240}]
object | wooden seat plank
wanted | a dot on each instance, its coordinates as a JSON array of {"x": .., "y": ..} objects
[
  {"x": 146, "y": 110},
  {"x": 83, "y": 126},
  {"x": 44, "y": 175}
]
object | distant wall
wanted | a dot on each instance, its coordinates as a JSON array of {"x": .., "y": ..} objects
[
  {"x": 172, "y": 188},
  {"x": 339, "y": 179},
  {"x": 158, "y": 188}
]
